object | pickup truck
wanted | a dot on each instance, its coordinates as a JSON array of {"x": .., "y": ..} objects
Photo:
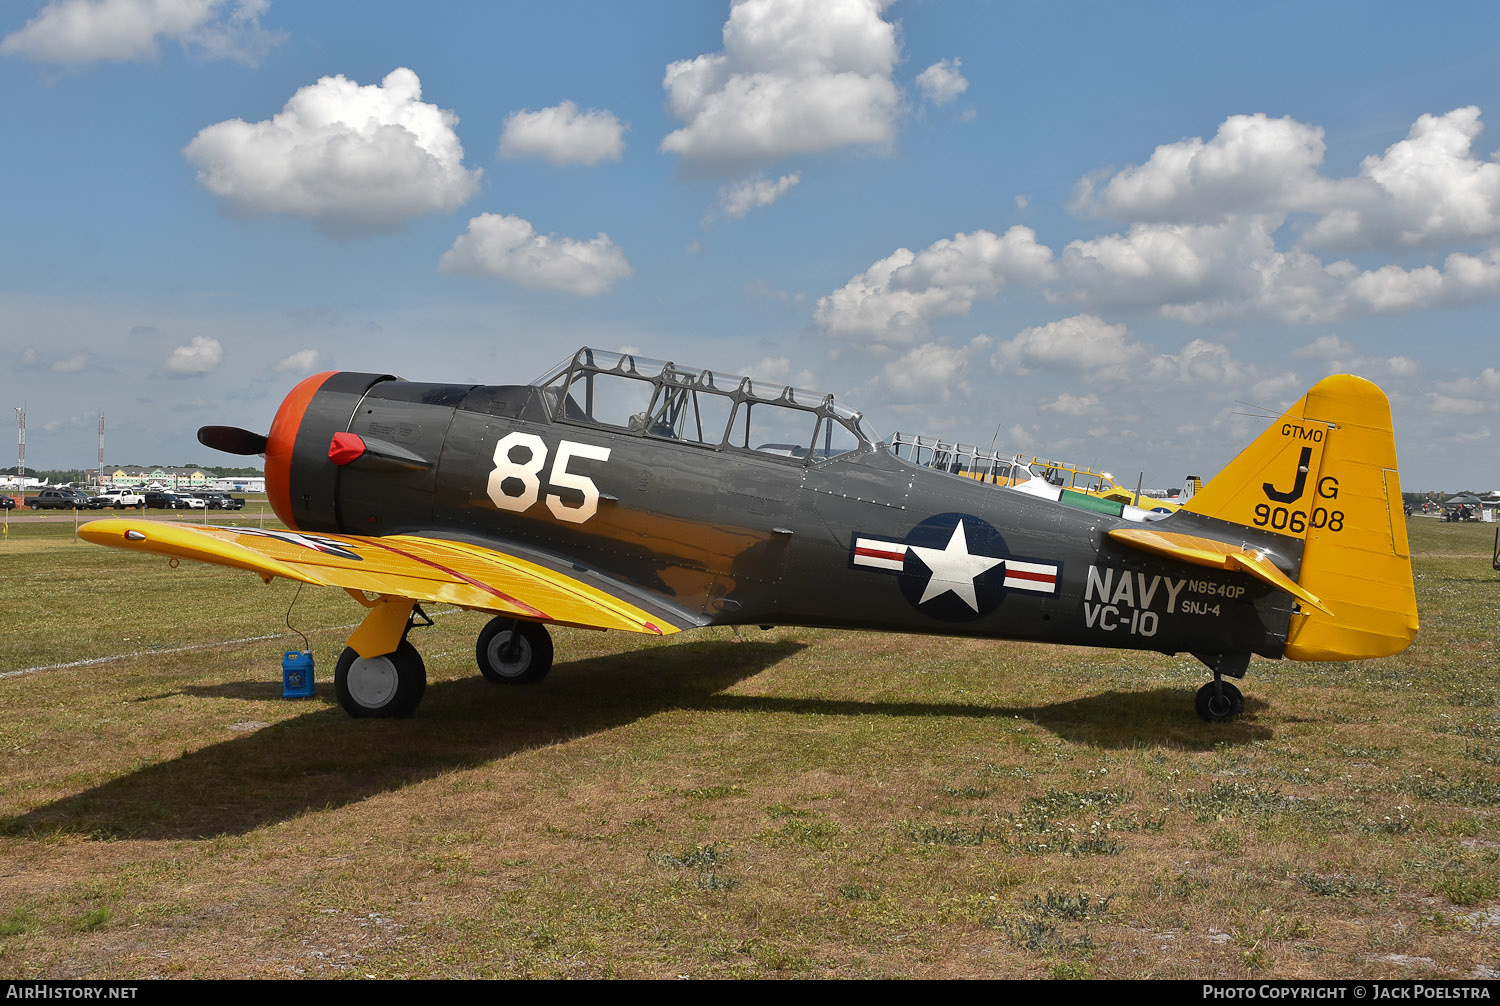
[
  {"x": 173, "y": 501},
  {"x": 220, "y": 501},
  {"x": 61, "y": 499},
  {"x": 120, "y": 498}
]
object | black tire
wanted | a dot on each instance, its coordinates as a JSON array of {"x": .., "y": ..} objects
[
  {"x": 390, "y": 685},
  {"x": 513, "y": 652},
  {"x": 1215, "y": 707}
]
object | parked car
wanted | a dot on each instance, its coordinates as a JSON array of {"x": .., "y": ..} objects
[
  {"x": 7, "y": 502},
  {"x": 220, "y": 501},
  {"x": 120, "y": 498},
  {"x": 62, "y": 499},
  {"x": 172, "y": 501}
]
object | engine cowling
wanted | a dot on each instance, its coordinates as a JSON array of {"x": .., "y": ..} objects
[{"x": 301, "y": 482}]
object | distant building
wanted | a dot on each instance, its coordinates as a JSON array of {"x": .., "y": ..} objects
[
  {"x": 239, "y": 484},
  {"x": 166, "y": 478}
]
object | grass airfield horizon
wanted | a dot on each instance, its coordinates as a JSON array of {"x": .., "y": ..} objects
[{"x": 804, "y": 803}]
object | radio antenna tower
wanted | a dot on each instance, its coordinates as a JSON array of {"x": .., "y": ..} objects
[
  {"x": 20, "y": 443},
  {"x": 99, "y": 480}
]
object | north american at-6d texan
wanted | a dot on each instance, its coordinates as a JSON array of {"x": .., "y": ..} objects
[{"x": 622, "y": 493}]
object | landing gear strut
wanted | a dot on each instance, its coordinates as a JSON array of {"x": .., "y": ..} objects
[
  {"x": 1219, "y": 700},
  {"x": 388, "y": 684},
  {"x": 513, "y": 652}
]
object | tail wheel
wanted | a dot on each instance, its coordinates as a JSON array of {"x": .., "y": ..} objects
[
  {"x": 388, "y": 685},
  {"x": 513, "y": 652},
  {"x": 1218, "y": 701}
]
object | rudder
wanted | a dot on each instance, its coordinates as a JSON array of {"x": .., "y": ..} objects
[{"x": 1326, "y": 473}]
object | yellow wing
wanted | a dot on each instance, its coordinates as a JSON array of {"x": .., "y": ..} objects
[{"x": 410, "y": 566}]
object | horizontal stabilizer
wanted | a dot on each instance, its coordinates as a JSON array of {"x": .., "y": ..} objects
[{"x": 1215, "y": 555}]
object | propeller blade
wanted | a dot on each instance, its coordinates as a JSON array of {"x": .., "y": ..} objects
[{"x": 231, "y": 440}]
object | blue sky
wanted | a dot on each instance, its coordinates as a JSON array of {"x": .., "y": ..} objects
[{"x": 1081, "y": 230}]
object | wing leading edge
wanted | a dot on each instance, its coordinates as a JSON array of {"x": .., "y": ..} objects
[{"x": 415, "y": 567}]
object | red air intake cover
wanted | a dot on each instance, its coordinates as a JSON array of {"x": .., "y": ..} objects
[{"x": 345, "y": 447}]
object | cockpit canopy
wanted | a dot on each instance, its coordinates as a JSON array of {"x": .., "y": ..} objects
[{"x": 657, "y": 399}]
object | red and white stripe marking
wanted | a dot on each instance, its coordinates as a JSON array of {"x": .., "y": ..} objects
[
  {"x": 879, "y": 554},
  {"x": 1038, "y": 576}
]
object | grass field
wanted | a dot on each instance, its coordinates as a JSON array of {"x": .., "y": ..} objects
[{"x": 800, "y": 803}]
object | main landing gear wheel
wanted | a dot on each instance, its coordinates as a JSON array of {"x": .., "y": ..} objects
[
  {"x": 1215, "y": 705},
  {"x": 388, "y": 685},
  {"x": 513, "y": 652}
]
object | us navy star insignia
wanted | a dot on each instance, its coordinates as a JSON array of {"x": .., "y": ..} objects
[{"x": 953, "y": 568}]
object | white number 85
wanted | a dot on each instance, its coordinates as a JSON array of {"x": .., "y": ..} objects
[{"x": 526, "y": 473}]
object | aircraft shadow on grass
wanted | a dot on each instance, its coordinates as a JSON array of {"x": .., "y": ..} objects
[
  {"x": 1107, "y": 720},
  {"x": 323, "y": 759}
]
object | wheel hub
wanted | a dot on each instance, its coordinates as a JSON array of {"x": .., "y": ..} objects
[
  {"x": 372, "y": 682},
  {"x": 510, "y": 654}
]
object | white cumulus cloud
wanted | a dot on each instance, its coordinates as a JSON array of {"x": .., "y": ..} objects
[
  {"x": 1201, "y": 273},
  {"x": 1200, "y": 362},
  {"x": 738, "y": 198},
  {"x": 1487, "y": 384},
  {"x": 199, "y": 356},
  {"x": 1448, "y": 405},
  {"x": 1392, "y": 289},
  {"x": 32, "y": 360},
  {"x": 350, "y": 159},
  {"x": 1171, "y": 263},
  {"x": 509, "y": 248},
  {"x": 88, "y": 31},
  {"x": 894, "y": 300},
  {"x": 794, "y": 77},
  {"x": 1253, "y": 164},
  {"x": 930, "y": 372},
  {"x": 1082, "y": 342},
  {"x": 1427, "y": 188},
  {"x": 301, "y": 362},
  {"x": 1336, "y": 355},
  {"x": 1212, "y": 221},
  {"x": 1067, "y": 404},
  {"x": 1325, "y": 347},
  {"x": 563, "y": 135},
  {"x": 942, "y": 82}
]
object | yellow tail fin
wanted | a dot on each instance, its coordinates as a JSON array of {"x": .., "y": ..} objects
[{"x": 1325, "y": 473}]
